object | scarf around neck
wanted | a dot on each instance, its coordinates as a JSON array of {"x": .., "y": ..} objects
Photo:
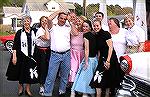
[{"x": 24, "y": 42}]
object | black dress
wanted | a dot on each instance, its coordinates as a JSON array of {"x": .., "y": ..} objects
[
  {"x": 25, "y": 70},
  {"x": 110, "y": 78}
]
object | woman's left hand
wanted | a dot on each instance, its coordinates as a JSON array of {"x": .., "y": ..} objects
[
  {"x": 85, "y": 66},
  {"x": 107, "y": 65}
]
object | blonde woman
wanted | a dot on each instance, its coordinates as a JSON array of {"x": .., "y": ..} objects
[
  {"x": 77, "y": 50},
  {"x": 135, "y": 35}
]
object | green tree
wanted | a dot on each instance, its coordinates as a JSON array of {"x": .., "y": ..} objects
[
  {"x": 127, "y": 10},
  {"x": 118, "y": 9},
  {"x": 112, "y": 9},
  {"x": 10, "y": 3},
  {"x": 5, "y": 3},
  {"x": 91, "y": 9},
  {"x": 19, "y": 3},
  {"x": 109, "y": 11},
  {"x": 78, "y": 9}
]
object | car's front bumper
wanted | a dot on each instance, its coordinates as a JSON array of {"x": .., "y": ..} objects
[{"x": 134, "y": 87}]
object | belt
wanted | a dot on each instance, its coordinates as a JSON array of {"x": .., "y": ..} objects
[
  {"x": 60, "y": 52},
  {"x": 131, "y": 47},
  {"x": 42, "y": 48}
]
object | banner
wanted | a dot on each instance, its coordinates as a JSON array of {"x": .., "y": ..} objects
[
  {"x": 103, "y": 8},
  {"x": 140, "y": 15}
]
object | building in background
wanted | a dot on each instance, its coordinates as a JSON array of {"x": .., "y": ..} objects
[
  {"x": 34, "y": 8},
  {"x": 12, "y": 17}
]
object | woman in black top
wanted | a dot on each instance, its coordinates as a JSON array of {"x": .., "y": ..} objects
[
  {"x": 22, "y": 66},
  {"x": 88, "y": 64},
  {"x": 108, "y": 66}
]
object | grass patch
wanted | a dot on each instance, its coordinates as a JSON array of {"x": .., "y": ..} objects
[{"x": 6, "y": 33}]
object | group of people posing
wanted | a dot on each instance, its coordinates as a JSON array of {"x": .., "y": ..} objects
[{"x": 83, "y": 54}]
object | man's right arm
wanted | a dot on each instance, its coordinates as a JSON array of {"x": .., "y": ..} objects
[{"x": 51, "y": 17}]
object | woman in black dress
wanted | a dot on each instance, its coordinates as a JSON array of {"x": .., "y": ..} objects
[
  {"x": 22, "y": 66},
  {"x": 106, "y": 73}
]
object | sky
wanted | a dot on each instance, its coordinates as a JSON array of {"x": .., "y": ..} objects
[{"x": 122, "y": 3}]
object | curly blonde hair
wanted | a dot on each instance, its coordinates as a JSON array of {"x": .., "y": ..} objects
[{"x": 129, "y": 16}]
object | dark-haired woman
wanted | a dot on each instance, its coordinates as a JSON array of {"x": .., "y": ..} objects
[
  {"x": 108, "y": 65},
  {"x": 88, "y": 64}
]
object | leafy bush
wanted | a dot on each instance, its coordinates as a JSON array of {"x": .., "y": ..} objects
[
  {"x": 6, "y": 33},
  {"x": 4, "y": 28}
]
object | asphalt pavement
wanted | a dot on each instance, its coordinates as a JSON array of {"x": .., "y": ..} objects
[{"x": 9, "y": 88}]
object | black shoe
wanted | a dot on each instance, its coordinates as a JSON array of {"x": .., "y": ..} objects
[
  {"x": 20, "y": 91},
  {"x": 77, "y": 94},
  {"x": 29, "y": 95},
  {"x": 20, "y": 94},
  {"x": 62, "y": 95},
  {"x": 91, "y": 95},
  {"x": 68, "y": 90}
]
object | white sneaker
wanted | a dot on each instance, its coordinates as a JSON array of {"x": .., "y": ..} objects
[{"x": 41, "y": 92}]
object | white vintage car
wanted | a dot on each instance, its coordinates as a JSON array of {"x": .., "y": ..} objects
[{"x": 136, "y": 81}]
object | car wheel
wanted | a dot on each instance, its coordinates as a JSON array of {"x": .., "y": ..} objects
[{"x": 8, "y": 45}]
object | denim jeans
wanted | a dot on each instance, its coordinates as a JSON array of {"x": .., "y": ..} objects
[{"x": 57, "y": 61}]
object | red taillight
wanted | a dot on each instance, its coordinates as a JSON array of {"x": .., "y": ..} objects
[{"x": 147, "y": 46}]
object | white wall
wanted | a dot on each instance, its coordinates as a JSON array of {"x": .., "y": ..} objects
[{"x": 7, "y": 20}]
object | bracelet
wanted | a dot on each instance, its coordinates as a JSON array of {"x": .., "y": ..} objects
[{"x": 107, "y": 61}]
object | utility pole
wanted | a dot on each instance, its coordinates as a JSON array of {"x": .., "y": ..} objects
[
  {"x": 134, "y": 7},
  {"x": 84, "y": 8}
]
